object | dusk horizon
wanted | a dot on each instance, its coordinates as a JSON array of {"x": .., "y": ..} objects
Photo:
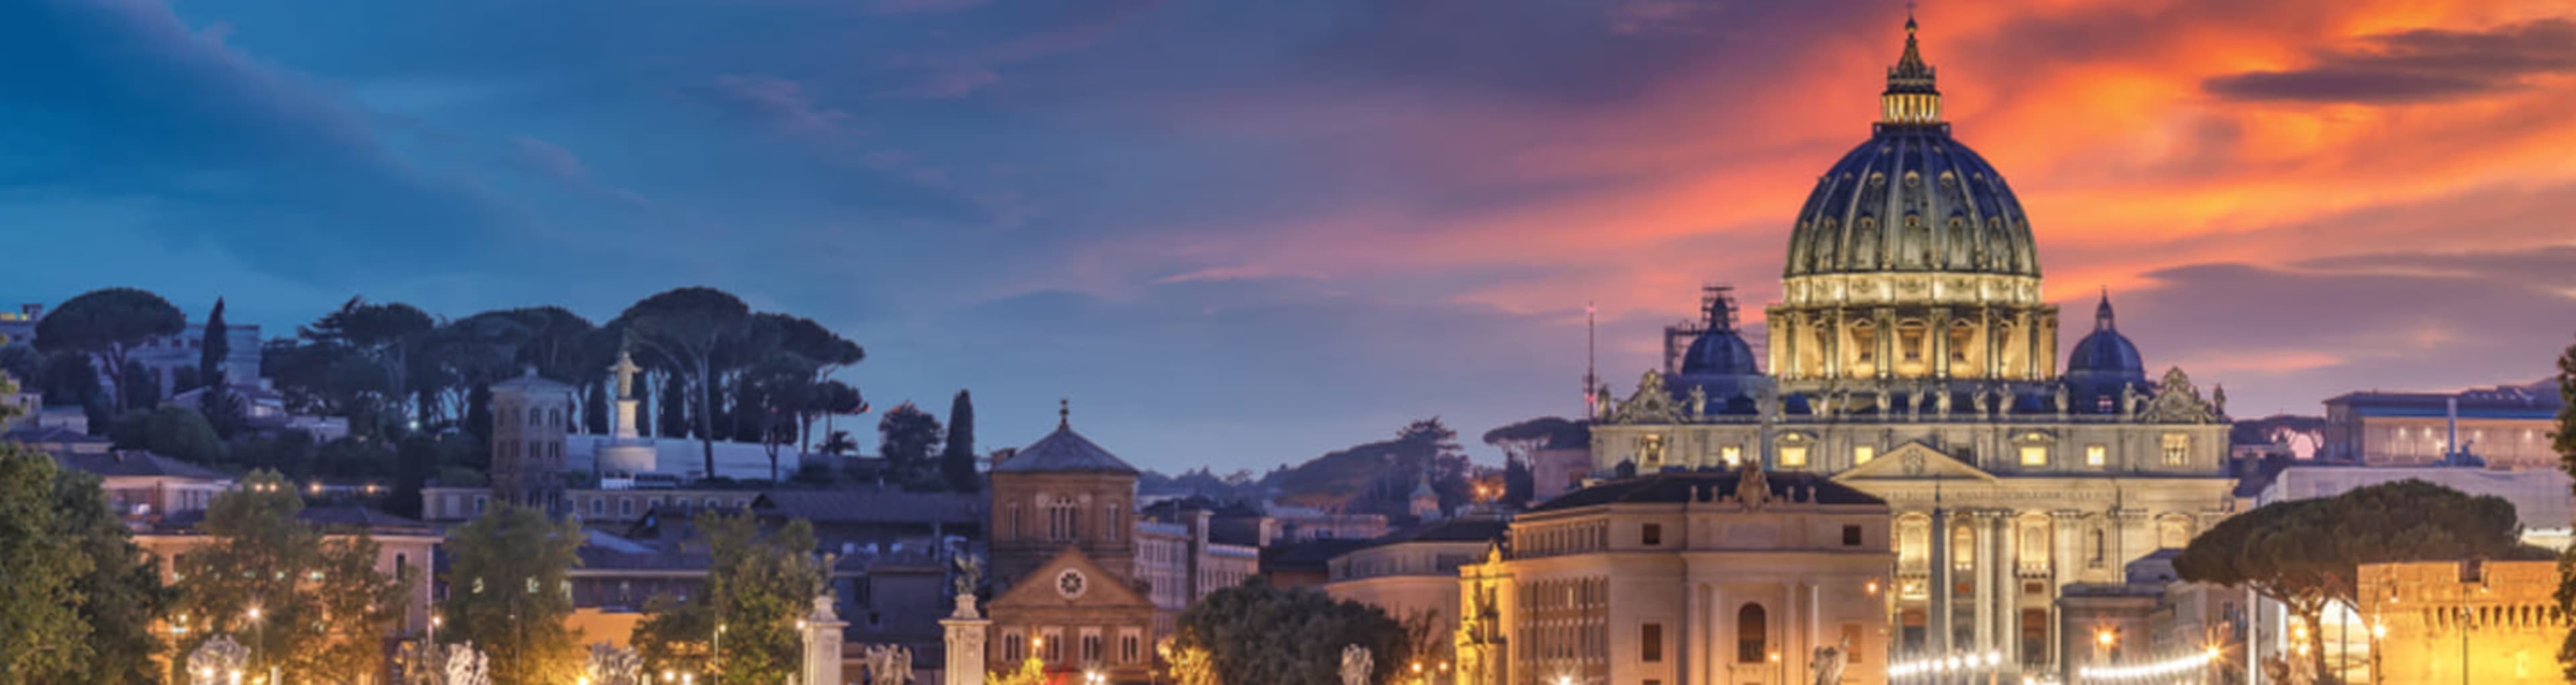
[{"x": 1241, "y": 237}]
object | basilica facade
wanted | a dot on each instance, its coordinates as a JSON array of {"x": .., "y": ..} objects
[{"x": 1913, "y": 357}]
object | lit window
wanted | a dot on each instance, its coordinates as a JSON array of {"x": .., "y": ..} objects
[
  {"x": 1650, "y": 452},
  {"x": 1790, "y": 455},
  {"x": 1862, "y": 454},
  {"x": 2034, "y": 455},
  {"x": 2096, "y": 455},
  {"x": 2177, "y": 448},
  {"x": 1733, "y": 455}
]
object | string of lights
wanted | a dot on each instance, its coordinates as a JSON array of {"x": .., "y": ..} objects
[
  {"x": 1954, "y": 663},
  {"x": 2168, "y": 667}
]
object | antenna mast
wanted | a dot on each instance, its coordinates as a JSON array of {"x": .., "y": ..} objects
[{"x": 1591, "y": 380}]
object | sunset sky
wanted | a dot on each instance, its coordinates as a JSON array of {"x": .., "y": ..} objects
[{"x": 1241, "y": 233}]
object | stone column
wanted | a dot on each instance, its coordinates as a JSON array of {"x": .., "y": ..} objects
[
  {"x": 1940, "y": 332},
  {"x": 1884, "y": 364},
  {"x": 1938, "y": 600},
  {"x": 1984, "y": 580},
  {"x": 965, "y": 664},
  {"x": 2007, "y": 575}
]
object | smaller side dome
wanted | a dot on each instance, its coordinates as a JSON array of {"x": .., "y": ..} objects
[
  {"x": 1720, "y": 351},
  {"x": 2105, "y": 350}
]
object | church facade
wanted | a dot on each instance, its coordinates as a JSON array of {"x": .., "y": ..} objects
[
  {"x": 1913, "y": 357},
  {"x": 1063, "y": 547}
]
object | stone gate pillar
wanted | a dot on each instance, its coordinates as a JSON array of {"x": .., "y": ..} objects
[
  {"x": 823, "y": 644},
  {"x": 965, "y": 628}
]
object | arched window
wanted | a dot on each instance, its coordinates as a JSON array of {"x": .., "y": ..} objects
[
  {"x": 1062, "y": 519},
  {"x": 1752, "y": 626},
  {"x": 1109, "y": 521},
  {"x": 2098, "y": 547}
]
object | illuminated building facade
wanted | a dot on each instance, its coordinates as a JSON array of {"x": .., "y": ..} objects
[
  {"x": 2499, "y": 618},
  {"x": 1913, "y": 358}
]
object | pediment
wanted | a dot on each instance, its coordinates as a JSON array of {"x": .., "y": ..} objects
[
  {"x": 1914, "y": 461},
  {"x": 1100, "y": 588}
]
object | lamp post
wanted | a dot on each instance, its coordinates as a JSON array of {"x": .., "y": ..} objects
[
  {"x": 1781, "y": 668},
  {"x": 258, "y": 638},
  {"x": 716, "y": 677}
]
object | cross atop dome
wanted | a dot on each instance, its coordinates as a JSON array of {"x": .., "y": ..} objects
[{"x": 1911, "y": 97}]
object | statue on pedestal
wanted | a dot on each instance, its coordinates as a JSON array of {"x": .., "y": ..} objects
[
  {"x": 888, "y": 664},
  {"x": 1356, "y": 665},
  {"x": 1942, "y": 403},
  {"x": 1699, "y": 401},
  {"x": 216, "y": 661},
  {"x": 1828, "y": 663},
  {"x": 2062, "y": 399}
]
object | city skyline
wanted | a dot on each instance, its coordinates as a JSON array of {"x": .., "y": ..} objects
[{"x": 1226, "y": 259}]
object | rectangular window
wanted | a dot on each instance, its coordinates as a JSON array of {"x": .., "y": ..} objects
[
  {"x": 1131, "y": 647},
  {"x": 2177, "y": 449},
  {"x": 1650, "y": 643},
  {"x": 1732, "y": 455},
  {"x": 1090, "y": 647},
  {"x": 2096, "y": 456},
  {"x": 598, "y": 507},
  {"x": 1051, "y": 646},
  {"x": 626, "y": 507},
  {"x": 1862, "y": 454},
  {"x": 1851, "y": 536},
  {"x": 1651, "y": 535},
  {"x": 1011, "y": 644},
  {"x": 1793, "y": 455},
  {"x": 2034, "y": 455}
]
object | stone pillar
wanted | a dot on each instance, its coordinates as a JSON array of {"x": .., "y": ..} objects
[
  {"x": 1939, "y": 598},
  {"x": 822, "y": 649},
  {"x": 2007, "y": 574},
  {"x": 1940, "y": 333},
  {"x": 1984, "y": 580},
  {"x": 1884, "y": 365},
  {"x": 965, "y": 664}
]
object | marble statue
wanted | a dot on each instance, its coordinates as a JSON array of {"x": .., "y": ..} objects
[
  {"x": 1980, "y": 397},
  {"x": 2062, "y": 398},
  {"x": 1884, "y": 398},
  {"x": 1767, "y": 400},
  {"x": 1918, "y": 398},
  {"x": 2004, "y": 399},
  {"x": 613, "y": 665},
  {"x": 1942, "y": 403},
  {"x": 2218, "y": 400},
  {"x": 214, "y": 662},
  {"x": 888, "y": 664},
  {"x": 1356, "y": 665},
  {"x": 1699, "y": 401},
  {"x": 466, "y": 666},
  {"x": 1828, "y": 663},
  {"x": 2129, "y": 400}
]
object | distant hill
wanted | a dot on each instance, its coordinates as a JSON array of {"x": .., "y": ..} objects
[{"x": 1376, "y": 477}]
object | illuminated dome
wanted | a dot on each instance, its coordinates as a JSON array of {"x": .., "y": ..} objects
[
  {"x": 1911, "y": 198},
  {"x": 1911, "y": 261}
]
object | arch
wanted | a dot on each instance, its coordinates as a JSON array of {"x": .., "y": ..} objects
[{"x": 1752, "y": 634}]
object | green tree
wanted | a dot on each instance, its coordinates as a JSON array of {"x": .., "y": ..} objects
[
  {"x": 685, "y": 328},
  {"x": 308, "y": 602},
  {"x": 120, "y": 588},
  {"x": 1521, "y": 443},
  {"x": 108, "y": 324},
  {"x": 180, "y": 433},
  {"x": 508, "y": 593},
  {"x": 368, "y": 348},
  {"x": 2564, "y": 440},
  {"x": 1261, "y": 634},
  {"x": 41, "y": 634},
  {"x": 756, "y": 588},
  {"x": 2307, "y": 553},
  {"x": 215, "y": 348},
  {"x": 672, "y": 403},
  {"x": 908, "y": 436},
  {"x": 957, "y": 459},
  {"x": 1032, "y": 671}
]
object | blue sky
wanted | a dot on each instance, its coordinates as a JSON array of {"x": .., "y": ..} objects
[{"x": 1246, "y": 233}]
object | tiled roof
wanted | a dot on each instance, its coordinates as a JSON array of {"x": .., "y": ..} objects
[
  {"x": 1683, "y": 486},
  {"x": 136, "y": 463},
  {"x": 1064, "y": 450},
  {"x": 886, "y": 505},
  {"x": 1462, "y": 529}
]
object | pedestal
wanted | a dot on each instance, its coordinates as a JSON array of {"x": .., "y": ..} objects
[
  {"x": 823, "y": 644},
  {"x": 965, "y": 628}
]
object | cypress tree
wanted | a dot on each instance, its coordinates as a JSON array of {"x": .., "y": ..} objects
[
  {"x": 215, "y": 348},
  {"x": 958, "y": 462}
]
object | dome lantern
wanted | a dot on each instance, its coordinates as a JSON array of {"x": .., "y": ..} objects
[{"x": 1911, "y": 98}]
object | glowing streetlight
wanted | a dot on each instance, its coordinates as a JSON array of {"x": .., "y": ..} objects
[{"x": 2106, "y": 638}]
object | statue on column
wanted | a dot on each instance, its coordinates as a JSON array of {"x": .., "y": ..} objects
[{"x": 1356, "y": 665}]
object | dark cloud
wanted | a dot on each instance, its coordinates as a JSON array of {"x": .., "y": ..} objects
[{"x": 2416, "y": 66}]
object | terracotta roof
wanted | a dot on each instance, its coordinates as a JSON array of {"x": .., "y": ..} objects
[{"x": 1064, "y": 450}]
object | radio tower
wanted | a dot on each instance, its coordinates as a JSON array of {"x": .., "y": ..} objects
[{"x": 1591, "y": 381}]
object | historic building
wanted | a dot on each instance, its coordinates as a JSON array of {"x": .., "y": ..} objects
[
  {"x": 1063, "y": 550},
  {"x": 1683, "y": 577},
  {"x": 1414, "y": 573},
  {"x": 530, "y": 417},
  {"x": 2504, "y": 427},
  {"x": 1913, "y": 357},
  {"x": 2499, "y": 618}
]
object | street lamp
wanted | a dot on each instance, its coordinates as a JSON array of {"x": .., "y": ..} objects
[{"x": 1780, "y": 667}]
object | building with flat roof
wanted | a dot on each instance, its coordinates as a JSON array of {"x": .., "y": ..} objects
[{"x": 2506, "y": 426}]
